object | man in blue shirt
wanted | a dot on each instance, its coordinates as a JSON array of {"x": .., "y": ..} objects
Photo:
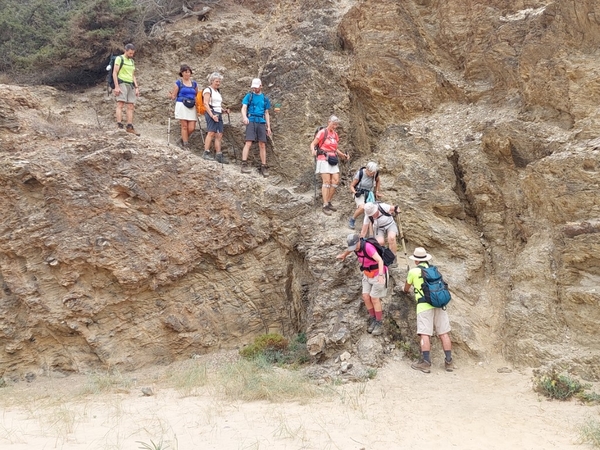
[{"x": 255, "y": 113}]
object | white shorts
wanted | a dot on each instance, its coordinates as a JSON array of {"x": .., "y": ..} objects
[
  {"x": 360, "y": 200},
  {"x": 324, "y": 167},
  {"x": 182, "y": 112}
]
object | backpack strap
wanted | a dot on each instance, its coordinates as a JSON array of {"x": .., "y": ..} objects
[
  {"x": 250, "y": 103},
  {"x": 422, "y": 299},
  {"x": 361, "y": 252}
]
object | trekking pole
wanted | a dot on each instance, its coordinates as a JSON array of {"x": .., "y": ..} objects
[
  {"x": 403, "y": 242},
  {"x": 200, "y": 128},
  {"x": 315, "y": 180},
  {"x": 169, "y": 128}
]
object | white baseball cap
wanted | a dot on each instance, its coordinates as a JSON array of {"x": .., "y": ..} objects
[{"x": 256, "y": 83}]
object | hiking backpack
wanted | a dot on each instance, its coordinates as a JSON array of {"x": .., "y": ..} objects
[
  {"x": 386, "y": 254},
  {"x": 200, "y": 108},
  {"x": 109, "y": 76},
  {"x": 318, "y": 146},
  {"x": 434, "y": 289}
]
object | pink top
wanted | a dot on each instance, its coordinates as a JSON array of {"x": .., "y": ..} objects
[
  {"x": 328, "y": 145},
  {"x": 365, "y": 258}
]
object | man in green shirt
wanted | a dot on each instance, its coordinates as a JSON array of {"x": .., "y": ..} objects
[
  {"x": 126, "y": 87},
  {"x": 428, "y": 317}
]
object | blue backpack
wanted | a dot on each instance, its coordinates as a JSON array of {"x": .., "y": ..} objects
[{"x": 434, "y": 289}]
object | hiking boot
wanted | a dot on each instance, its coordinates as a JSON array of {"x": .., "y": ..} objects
[
  {"x": 377, "y": 328},
  {"x": 371, "y": 324},
  {"x": 119, "y": 125},
  {"x": 351, "y": 222},
  {"x": 331, "y": 207},
  {"x": 449, "y": 365},
  {"x": 264, "y": 170},
  {"x": 423, "y": 366},
  {"x": 326, "y": 210},
  {"x": 245, "y": 167},
  {"x": 220, "y": 157},
  {"x": 208, "y": 156},
  {"x": 131, "y": 130}
]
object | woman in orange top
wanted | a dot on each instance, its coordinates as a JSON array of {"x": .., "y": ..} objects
[{"x": 325, "y": 147}]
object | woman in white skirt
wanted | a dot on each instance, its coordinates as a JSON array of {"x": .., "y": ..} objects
[
  {"x": 325, "y": 148},
  {"x": 184, "y": 92}
]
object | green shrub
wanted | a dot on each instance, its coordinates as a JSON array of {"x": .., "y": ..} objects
[
  {"x": 266, "y": 344},
  {"x": 557, "y": 386},
  {"x": 275, "y": 349}
]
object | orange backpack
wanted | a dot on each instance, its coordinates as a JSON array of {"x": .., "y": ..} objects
[{"x": 200, "y": 101}]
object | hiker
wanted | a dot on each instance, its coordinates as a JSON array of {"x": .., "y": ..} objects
[
  {"x": 365, "y": 187},
  {"x": 428, "y": 317},
  {"x": 211, "y": 96},
  {"x": 126, "y": 87},
  {"x": 381, "y": 217},
  {"x": 255, "y": 114},
  {"x": 325, "y": 147},
  {"x": 374, "y": 280},
  {"x": 184, "y": 92}
]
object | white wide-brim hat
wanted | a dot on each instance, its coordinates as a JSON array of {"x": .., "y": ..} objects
[{"x": 420, "y": 255}]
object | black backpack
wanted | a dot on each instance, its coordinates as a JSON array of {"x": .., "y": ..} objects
[
  {"x": 109, "y": 76},
  {"x": 386, "y": 254},
  {"x": 318, "y": 146},
  {"x": 434, "y": 289}
]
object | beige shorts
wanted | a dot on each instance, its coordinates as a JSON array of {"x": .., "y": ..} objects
[
  {"x": 127, "y": 94},
  {"x": 373, "y": 288},
  {"x": 433, "y": 318}
]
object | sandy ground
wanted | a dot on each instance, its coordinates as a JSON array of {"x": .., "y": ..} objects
[{"x": 474, "y": 407}]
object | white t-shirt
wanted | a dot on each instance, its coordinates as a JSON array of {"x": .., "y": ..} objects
[{"x": 215, "y": 99}]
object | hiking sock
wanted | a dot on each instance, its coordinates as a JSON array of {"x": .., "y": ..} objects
[
  {"x": 426, "y": 357},
  {"x": 378, "y": 315},
  {"x": 371, "y": 312},
  {"x": 448, "y": 355}
]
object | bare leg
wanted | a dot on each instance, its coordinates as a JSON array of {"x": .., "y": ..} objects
[
  {"x": 446, "y": 342},
  {"x": 262, "y": 148},
  {"x": 184, "y": 130},
  {"x": 425, "y": 343},
  {"x": 208, "y": 140},
  {"x": 326, "y": 177},
  {"x": 218, "y": 137},
  {"x": 191, "y": 126},
  {"x": 392, "y": 242},
  {"x": 246, "y": 150},
  {"x": 130, "y": 107},
  {"x": 119, "y": 111},
  {"x": 359, "y": 211}
]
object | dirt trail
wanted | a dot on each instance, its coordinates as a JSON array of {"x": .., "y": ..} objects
[{"x": 474, "y": 407}]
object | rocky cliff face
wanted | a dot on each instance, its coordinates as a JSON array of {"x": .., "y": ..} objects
[{"x": 123, "y": 251}]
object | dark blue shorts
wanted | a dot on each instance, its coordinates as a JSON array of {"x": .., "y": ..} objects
[
  {"x": 211, "y": 125},
  {"x": 256, "y": 132}
]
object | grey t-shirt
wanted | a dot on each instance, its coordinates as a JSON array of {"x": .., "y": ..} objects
[{"x": 367, "y": 183}]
